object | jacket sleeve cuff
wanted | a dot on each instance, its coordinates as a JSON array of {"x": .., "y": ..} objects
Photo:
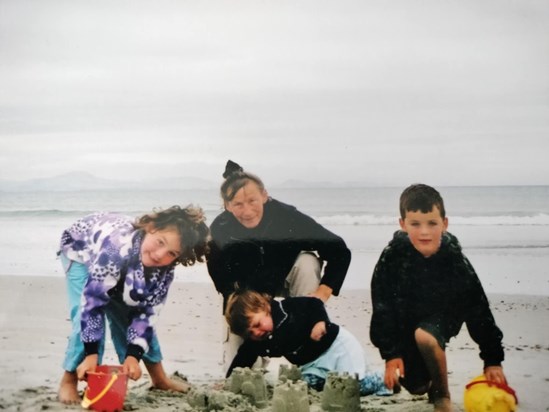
[
  {"x": 135, "y": 350},
  {"x": 492, "y": 363},
  {"x": 91, "y": 348},
  {"x": 390, "y": 354}
]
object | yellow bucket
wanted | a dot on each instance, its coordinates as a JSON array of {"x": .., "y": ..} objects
[{"x": 482, "y": 395}]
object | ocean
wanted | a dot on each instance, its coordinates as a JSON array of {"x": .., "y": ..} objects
[{"x": 504, "y": 230}]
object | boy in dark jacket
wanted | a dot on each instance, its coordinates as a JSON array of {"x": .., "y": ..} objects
[
  {"x": 300, "y": 330},
  {"x": 423, "y": 290}
]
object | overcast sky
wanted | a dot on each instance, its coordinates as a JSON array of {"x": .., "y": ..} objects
[{"x": 376, "y": 91}]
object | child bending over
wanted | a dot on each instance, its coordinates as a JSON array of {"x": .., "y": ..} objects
[
  {"x": 423, "y": 289},
  {"x": 297, "y": 328},
  {"x": 122, "y": 270}
]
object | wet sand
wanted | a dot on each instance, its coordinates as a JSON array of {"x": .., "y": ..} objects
[{"x": 34, "y": 326}]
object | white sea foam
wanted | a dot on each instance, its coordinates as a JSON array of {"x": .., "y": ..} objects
[
  {"x": 502, "y": 229},
  {"x": 539, "y": 219}
]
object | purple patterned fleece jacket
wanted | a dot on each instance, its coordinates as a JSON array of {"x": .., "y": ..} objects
[{"x": 109, "y": 246}]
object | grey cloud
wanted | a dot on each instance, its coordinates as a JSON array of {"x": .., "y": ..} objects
[{"x": 348, "y": 88}]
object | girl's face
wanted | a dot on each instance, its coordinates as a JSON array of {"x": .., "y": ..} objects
[
  {"x": 160, "y": 248},
  {"x": 425, "y": 230},
  {"x": 260, "y": 325},
  {"x": 247, "y": 205}
]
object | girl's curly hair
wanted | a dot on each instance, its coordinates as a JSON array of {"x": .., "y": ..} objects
[{"x": 189, "y": 222}]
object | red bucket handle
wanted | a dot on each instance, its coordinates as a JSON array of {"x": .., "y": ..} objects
[
  {"x": 86, "y": 402},
  {"x": 502, "y": 386}
]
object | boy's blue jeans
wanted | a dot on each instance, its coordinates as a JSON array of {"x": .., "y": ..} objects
[{"x": 117, "y": 316}]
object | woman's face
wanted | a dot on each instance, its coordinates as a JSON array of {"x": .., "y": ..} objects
[
  {"x": 160, "y": 248},
  {"x": 247, "y": 205}
]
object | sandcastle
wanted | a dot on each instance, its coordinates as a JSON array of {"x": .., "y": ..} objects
[
  {"x": 250, "y": 383},
  {"x": 290, "y": 397},
  {"x": 341, "y": 393},
  {"x": 290, "y": 373},
  {"x": 290, "y": 393},
  {"x": 208, "y": 400}
]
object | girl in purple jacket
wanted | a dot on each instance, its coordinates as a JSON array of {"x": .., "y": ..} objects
[{"x": 121, "y": 269}]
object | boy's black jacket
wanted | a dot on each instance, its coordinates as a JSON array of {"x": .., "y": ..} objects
[
  {"x": 293, "y": 321},
  {"x": 444, "y": 289},
  {"x": 261, "y": 258}
]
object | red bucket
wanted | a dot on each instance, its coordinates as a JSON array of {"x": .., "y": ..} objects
[{"x": 106, "y": 389}]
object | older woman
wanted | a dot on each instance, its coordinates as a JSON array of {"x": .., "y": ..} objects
[{"x": 262, "y": 244}]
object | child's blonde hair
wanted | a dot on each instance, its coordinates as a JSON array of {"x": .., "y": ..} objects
[{"x": 241, "y": 305}]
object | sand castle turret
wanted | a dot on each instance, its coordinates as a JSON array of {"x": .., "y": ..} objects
[
  {"x": 341, "y": 393},
  {"x": 250, "y": 383},
  {"x": 290, "y": 373},
  {"x": 290, "y": 397}
]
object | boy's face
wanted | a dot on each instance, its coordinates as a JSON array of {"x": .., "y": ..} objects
[
  {"x": 261, "y": 325},
  {"x": 425, "y": 230},
  {"x": 160, "y": 248}
]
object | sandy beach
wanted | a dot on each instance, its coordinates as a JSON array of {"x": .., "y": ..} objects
[{"x": 34, "y": 326}]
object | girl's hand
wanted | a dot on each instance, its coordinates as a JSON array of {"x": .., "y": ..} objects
[
  {"x": 131, "y": 368},
  {"x": 319, "y": 330},
  {"x": 88, "y": 365}
]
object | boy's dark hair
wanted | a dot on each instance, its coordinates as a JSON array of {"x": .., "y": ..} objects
[
  {"x": 420, "y": 197},
  {"x": 235, "y": 179},
  {"x": 241, "y": 305},
  {"x": 194, "y": 234}
]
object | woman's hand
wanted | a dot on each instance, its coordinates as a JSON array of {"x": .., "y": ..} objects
[
  {"x": 131, "y": 368},
  {"x": 319, "y": 330},
  {"x": 88, "y": 365},
  {"x": 323, "y": 293}
]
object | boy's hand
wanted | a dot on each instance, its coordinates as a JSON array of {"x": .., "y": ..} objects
[
  {"x": 319, "y": 330},
  {"x": 394, "y": 369},
  {"x": 88, "y": 365},
  {"x": 131, "y": 368},
  {"x": 495, "y": 374}
]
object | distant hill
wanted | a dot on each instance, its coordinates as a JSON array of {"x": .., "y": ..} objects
[
  {"x": 78, "y": 181},
  {"x": 291, "y": 184}
]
